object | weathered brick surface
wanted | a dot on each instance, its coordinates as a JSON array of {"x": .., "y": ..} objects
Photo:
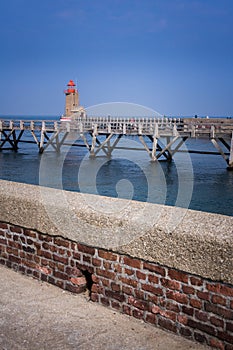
[{"x": 180, "y": 302}]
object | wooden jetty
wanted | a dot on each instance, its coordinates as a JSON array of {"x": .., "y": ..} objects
[{"x": 159, "y": 136}]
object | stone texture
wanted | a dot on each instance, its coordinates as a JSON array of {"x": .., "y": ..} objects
[{"x": 197, "y": 242}]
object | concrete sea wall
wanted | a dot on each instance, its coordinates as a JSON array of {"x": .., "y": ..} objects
[{"x": 170, "y": 267}]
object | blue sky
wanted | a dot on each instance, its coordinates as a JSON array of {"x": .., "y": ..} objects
[{"x": 174, "y": 56}]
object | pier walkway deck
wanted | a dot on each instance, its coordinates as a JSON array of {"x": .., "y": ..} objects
[{"x": 159, "y": 136}]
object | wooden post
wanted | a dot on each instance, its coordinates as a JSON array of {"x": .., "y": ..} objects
[{"x": 230, "y": 162}]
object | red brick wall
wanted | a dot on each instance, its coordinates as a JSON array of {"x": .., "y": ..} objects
[{"x": 174, "y": 300}]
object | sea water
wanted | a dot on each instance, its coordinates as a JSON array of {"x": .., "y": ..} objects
[{"x": 195, "y": 181}]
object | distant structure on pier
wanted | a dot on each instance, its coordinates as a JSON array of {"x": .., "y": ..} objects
[{"x": 72, "y": 108}]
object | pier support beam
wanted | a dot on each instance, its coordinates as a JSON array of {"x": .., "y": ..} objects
[
  {"x": 11, "y": 137},
  {"x": 230, "y": 162}
]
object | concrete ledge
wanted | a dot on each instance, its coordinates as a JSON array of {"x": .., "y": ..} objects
[{"x": 196, "y": 242}]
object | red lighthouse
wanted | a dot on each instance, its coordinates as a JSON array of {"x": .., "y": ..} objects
[{"x": 72, "y": 99}]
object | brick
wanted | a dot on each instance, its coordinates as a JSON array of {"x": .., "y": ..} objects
[
  {"x": 107, "y": 255},
  {"x": 118, "y": 268},
  {"x": 182, "y": 319},
  {"x": 107, "y": 265},
  {"x": 169, "y": 305},
  {"x": 186, "y": 332},
  {"x": 115, "y": 287},
  {"x": 14, "y": 259},
  {"x": 127, "y": 290},
  {"x": 214, "y": 343},
  {"x": 46, "y": 246},
  {"x": 86, "y": 259},
  {"x": 129, "y": 272},
  {"x": 96, "y": 262},
  {"x": 61, "y": 259},
  {"x": 106, "y": 273},
  {"x": 201, "y": 338},
  {"x": 115, "y": 295},
  {"x": 179, "y": 297},
  {"x": 218, "y": 322},
  {"x": 225, "y": 336},
  {"x": 178, "y": 275},
  {"x": 203, "y": 295},
  {"x": 213, "y": 287},
  {"x": 151, "y": 318},
  {"x": 75, "y": 289},
  {"x": 104, "y": 301},
  {"x": 3, "y": 241},
  {"x": 2, "y": 233},
  {"x": 61, "y": 251},
  {"x": 60, "y": 267},
  {"x": 139, "y": 304},
  {"x": 228, "y": 291},
  {"x": 29, "y": 233},
  {"x": 16, "y": 229},
  {"x": 168, "y": 314},
  {"x": 14, "y": 244},
  {"x": 138, "y": 314},
  {"x": 140, "y": 275},
  {"x": 3, "y": 226},
  {"x": 188, "y": 290},
  {"x": 132, "y": 262},
  {"x": 73, "y": 271},
  {"x": 152, "y": 289},
  {"x": 16, "y": 238},
  {"x": 12, "y": 251},
  {"x": 77, "y": 256},
  {"x": 217, "y": 310},
  {"x": 61, "y": 242},
  {"x": 60, "y": 275},
  {"x": 86, "y": 249},
  {"x": 30, "y": 264},
  {"x": 154, "y": 279},
  {"x": 167, "y": 324},
  {"x": 115, "y": 305},
  {"x": 229, "y": 326},
  {"x": 44, "y": 270},
  {"x": 45, "y": 254},
  {"x": 105, "y": 282},
  {"x": 95, "y": 279},
  {"x": 128, "y": 281},
  {"x": 153, "y": 298},
  {"x": 154, "y": 268},
  {"x": 218, "y": 299},
  {"x": 229, "y": 347},
  {"x": 187, "y": 310},
  {"x": 170, "y": 284},
  {"x": 45, "y": 238},
  {"x": 36, "y": 274},
  {"x": 195, "y": 281},
  {"x": 78, "y": 281},
  {"x": 201, "y": 326},
  {"x": 197, "y": 304},
  {"x": 202, "y": 316},
  {"x": 94, "y": 297},
  {"x": 23, "y": 239},
  {"x": 29, "y": 249},
  {"x": 127, "y": 310},
  {"x": 139, "y": 294}
]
